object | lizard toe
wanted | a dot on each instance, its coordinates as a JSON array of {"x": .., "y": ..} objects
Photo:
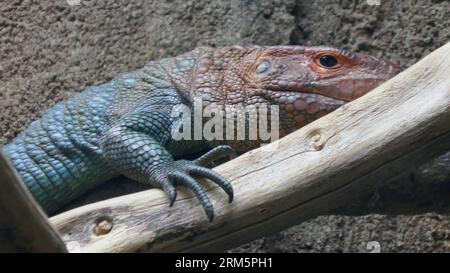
[
  {"x": 215, "y": 177},
  {"x": 215, "y": 154},
  {"x": 196, "y": 188}
]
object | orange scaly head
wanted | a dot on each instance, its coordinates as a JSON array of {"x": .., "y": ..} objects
[
  {"x": 305, "y": 82},
  {"x": 325, "y": 71}
]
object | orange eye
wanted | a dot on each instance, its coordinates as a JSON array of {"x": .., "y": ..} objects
[{"x": 328, "y": 61}]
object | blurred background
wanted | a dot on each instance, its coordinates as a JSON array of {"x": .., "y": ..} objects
[{"x": 50, "y": 49}]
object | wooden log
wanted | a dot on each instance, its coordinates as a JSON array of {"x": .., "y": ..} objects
[
  {"x": 24, "y": 227},
  {"x": 311, "y": 172}
]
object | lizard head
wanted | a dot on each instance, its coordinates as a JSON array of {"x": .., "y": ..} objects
[
  {"x": 324, "y": 71},
  {"x": 306, "y": 82}
]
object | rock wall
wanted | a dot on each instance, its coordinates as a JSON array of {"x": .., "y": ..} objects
[{"x": 50, "y": 49}]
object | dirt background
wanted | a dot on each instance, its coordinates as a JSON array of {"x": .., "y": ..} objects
[{"x": 49, "y": 49}]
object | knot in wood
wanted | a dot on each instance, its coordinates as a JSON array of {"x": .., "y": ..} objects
[
  {"x": 317, "y": 141},
  {"x": 103, "y": 226}
]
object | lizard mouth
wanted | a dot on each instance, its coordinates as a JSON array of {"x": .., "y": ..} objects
[
  {"x": 348, "y": 89},
  {"x": 343, "y": 89}
]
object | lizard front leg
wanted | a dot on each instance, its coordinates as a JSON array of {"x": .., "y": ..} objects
[{"x": 135, "y": 146}]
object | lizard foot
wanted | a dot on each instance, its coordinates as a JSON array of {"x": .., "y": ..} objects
[{"x": 182, "y": 172}]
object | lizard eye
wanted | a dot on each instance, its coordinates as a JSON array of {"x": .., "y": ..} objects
[
  {"x": 328, "y": 61},
  {"x": 263, "y": 66}
]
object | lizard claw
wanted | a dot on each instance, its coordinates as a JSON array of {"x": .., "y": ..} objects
[
  {"x": 194, "y": 186},
  {"x": 182, "y": 172},
  {"x": 171, "y": 192}
]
